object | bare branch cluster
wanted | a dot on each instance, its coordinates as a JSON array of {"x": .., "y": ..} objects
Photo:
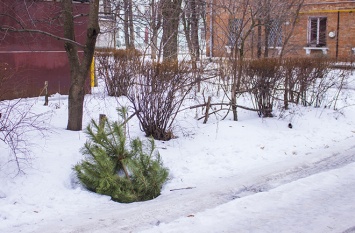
[
  {"x": 157, "y": 94},
  {"x": 18, "y": 123},
  {"x": 303, "y": 81},
  {"x": 117, "y": 67}
]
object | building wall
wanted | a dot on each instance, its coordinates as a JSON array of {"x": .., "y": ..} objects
[
  {"x": 107, "y": 36},
  {"x": 340, "y": 20},
  {"x": 36, "y": 58}
]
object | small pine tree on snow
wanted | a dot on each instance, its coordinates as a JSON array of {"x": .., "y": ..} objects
[{"x": 111, "y": 167}]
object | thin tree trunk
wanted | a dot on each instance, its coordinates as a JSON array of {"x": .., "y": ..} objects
[
  {"x": 187, "y": 30},
  {"x": 155, "y": 24},
  {"x": 130, "y": 23},
  {"x": 153, "y": 27},
  {"x": 126, "y": 24},
  {"x": 194, "y": 29},
  {"x": 259, "y": 39},
  {"x": 267, "y": 26},
  {"x": 266, "y": 42}
]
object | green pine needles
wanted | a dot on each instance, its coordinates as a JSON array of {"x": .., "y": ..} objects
[{"x": 111, "y": 167}]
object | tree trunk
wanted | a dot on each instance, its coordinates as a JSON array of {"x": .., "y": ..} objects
[
  {"x": 76, "y": 102},
  {"x": 130, "y": 23},
  {"x": 194, "y": 29},
  {"x": 79, "y": 69},
  {"x": 171, "y": 10},
  {"x": 154, "y": 43},
  {"x": 190, "y": 19},
  {"x": 259, "y": 39},
  {"x": 154, "y": 30},
  {"x": 267, "y": 27},
  {"x": 126, "y": 24},
  {"x": 155, "y": 24},
  {"x": 266, "y": 42},
  {"x": 187, "y": 30}
]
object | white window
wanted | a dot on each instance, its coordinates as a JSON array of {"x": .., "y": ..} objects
[{"x": 317, "y": 31}]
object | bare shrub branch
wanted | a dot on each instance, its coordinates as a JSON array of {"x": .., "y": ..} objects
[
  {"x": 264, "y": 77},
  {"x": 18, "y": 123},
  {"x": 117, "y": 67},
  {"x": 157, "y": 94}
]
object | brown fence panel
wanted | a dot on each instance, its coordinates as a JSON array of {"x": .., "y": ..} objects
[{"x": 36, "y": 58}]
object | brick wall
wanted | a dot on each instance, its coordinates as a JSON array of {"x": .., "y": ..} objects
[{"x": 340, "y": 20}]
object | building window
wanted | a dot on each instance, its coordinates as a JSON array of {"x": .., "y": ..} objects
[
  {"x": 235, "y": 32},
  {"x": 275, "y": 34},
  {"x": 317, "y": 29},
  {"x": 138, "y": 32},
  {"x": 202, "y": 33},
  {"x": 147, "y": 12},
  {"x": 107, "y": 7}
]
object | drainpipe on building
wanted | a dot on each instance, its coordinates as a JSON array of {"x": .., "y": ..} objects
[
  {"x": 337, "y": 40},
  {"x": 211, "y": 29}
]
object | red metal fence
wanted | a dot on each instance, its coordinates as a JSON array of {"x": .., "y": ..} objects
[{"x": 34, "y": 58}]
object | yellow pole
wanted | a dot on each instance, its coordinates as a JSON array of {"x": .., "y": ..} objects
[{"x": 92, "y": 73}]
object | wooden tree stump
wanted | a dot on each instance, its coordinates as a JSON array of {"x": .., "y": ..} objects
[
  {"x": 46, "y": 93},
  {"x": 208, "y": 105},
  {"x": 102, "y": 120}
]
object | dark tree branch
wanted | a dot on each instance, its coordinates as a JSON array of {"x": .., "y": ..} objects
[{"x": 5, "y": 29}]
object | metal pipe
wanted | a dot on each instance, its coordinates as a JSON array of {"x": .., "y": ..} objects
[
  {"x": 211, "y": 29},
  {"x": 337, "y": 38}
]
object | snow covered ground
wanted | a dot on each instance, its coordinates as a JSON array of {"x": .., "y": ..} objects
[{"x": 253, "y": 175}]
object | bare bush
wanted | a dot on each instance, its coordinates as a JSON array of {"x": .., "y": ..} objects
[
  {"x": 157, "y": 94},
  {"x": 117, "y": 67},
  {"x": 18, "y": 123},
  {"x": 264, "y": 77},
  {"x": 307, "y": 80}
]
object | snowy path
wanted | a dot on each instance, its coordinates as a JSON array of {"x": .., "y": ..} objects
[
  {"x": 264, "y": 184},
  {"x": 321, "y": 203}
]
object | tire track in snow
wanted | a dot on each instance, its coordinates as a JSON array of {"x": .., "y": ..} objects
[
  {"x": 275, "y": 180},
  {"x": 350, "y": 230},
  {"x": 182, "y": 203}
]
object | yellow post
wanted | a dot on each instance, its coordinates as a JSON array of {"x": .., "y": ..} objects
[{"x": 92, "y": 73}]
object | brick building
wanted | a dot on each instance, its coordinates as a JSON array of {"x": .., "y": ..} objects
[
  {"x": 326, "y": 27},
  {"x": 322, "y": 28}
]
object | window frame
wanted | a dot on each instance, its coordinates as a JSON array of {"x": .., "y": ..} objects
[
  {"x": 235, "y": 32},
  {"x": 316, "y": 37},
  {"x": 275, "y": 39}
]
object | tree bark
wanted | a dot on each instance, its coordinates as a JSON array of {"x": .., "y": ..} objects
[
  {"x": 194, "y": 29},
  {"x": 259, "y": 39},
  {"x": 79, "y": 68},
  {"x": 126, "y": 23},
  {"x": 130, "y": 24},
  {"x": 155, "y": 23},
  {"x": 190, "y": 19},
  {"x": 171, "y": 10}
]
